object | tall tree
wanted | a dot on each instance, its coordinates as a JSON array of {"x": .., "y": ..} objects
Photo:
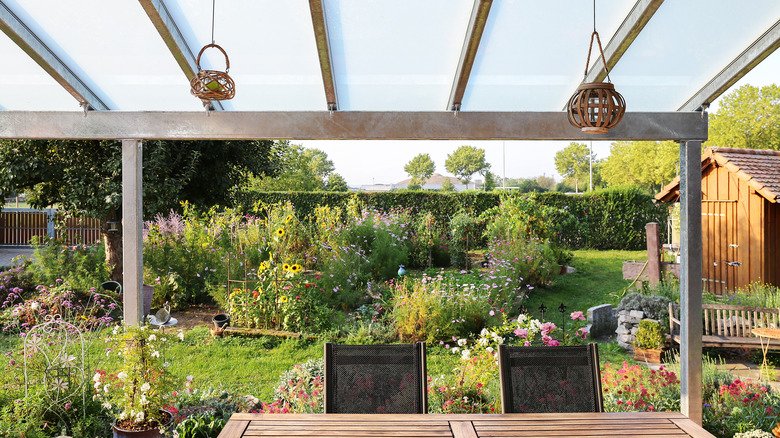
[
  {"x": 651, "y": 164},
  {"x": 748, "y": 117},
  {"x": 337, "y": 183},
  {"x": 490, "y": 181},
  {"x": 420, "y": 168},
  {"x": 466, "y": 161},
  {"x": 546, "y": 182},
  {"x": 85, "y": 175},
  {"x": 298, "y": 169},
  {"x": 573, "y": 162}
]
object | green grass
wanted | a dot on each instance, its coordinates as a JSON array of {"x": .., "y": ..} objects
[{"x": 598, "y": 280}]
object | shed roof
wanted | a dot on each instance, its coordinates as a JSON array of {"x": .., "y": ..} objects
[
  {"x": 759, "y": 168},
  {"x": 436, "y": 178}
]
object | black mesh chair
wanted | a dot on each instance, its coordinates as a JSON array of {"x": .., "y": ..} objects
[
  {"x": 550, "y": 379},
  {"x": 375, "y": 379}
]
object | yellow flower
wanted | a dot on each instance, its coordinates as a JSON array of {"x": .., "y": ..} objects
[
  {"x": 280, "y": 232},
  {"x": 283, "y": 298},
  {"x": 286, "y": 267},
  {"x": 288, "y": 218},
  {"x": 296, "y": 268}
]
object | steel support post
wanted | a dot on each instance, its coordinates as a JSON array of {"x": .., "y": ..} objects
[
  {"x": 132, "y": 231},
  {"x": 690, "y": 281}
]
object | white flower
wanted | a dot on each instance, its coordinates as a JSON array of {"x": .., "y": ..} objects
[
  {"x": 139, "y": 417},
  {"x": 34, "y": 305},
  {"x": 190, "y": 377},
  {"x": 181, "y": 335},
  {"x": 484, "y": 332},
  {"x": 142, "y": 400},
  {"x": 455, "y": 350},
  {"x": 152, "y": 337},
  {"x": 146, "y": 387},
  {"x": 522, "y": 318},
  {"x": 122, "y": 415},
  {"x": 465, "y": 354},
  {"x": 107, "y": 405},
  {"x": 155, "y": 353},
  {"x": 482, "y": 341},
  {"x": 116, "y": 330},
  {"x": 105, "y": 388},
  {"x": 462, "y": 342},
  {"x": 489, "y": 349},
  {"x": 122, "y": 375},
  {"x": 166, "y": 364},
  {"x": 97, "y": 386},
  {"x": 96, "y": 377},
  {"x": 497, "y": 338}
]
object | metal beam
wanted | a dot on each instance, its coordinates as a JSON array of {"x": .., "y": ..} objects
[
  {"x": 477, "y": 22},
  {"x": 690, "y": 281},
  {"x": 132, "y": 231},
  {"x": 739, "y": 67},
  {"x": 53, "y": 65},
  {"x": 171, "y": 35},
  {"x": 346, "y": 125},
  {"x": 323, "y": 52}
]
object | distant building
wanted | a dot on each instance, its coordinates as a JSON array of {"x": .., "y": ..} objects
[{"x": 436, "y": 180}]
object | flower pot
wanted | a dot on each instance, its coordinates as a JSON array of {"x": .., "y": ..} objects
[
  {"x": 149, "y": 433},
  {"x": 648, "y": 355},
  {"x": 221, "y": 320}
]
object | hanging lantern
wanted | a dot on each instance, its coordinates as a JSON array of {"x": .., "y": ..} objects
[
  {"x": 596, "y": 107},
  {"x": 213, "y": 84}
]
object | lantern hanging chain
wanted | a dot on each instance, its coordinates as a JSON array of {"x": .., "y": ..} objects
[
  {"x": 213, "y": 7},
  {"x": 590, "y": 48}
]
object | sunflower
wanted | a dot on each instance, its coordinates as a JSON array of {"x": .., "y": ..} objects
[
  {"x": 280, "y": 232},
  {"x": 288, "y": 218},
  {"x": 296, "y": 267},
  {"x": 286, "y": 267},
  {"x": 283, "y": 298}
]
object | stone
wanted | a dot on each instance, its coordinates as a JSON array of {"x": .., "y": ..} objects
[
  {"x": 601, "y": 320},
  {"x": 622, "y": 330},
  {"x": 637, "y": 314}
]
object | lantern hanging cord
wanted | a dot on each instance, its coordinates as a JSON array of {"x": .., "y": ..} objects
[
  {"x": 594, "y": 17},
  {"x": 214, "y": 2}
]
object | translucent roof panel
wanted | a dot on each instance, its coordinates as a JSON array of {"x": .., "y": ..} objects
[
  {"x": 114, "y": 49},
  {"x": 271, "y": 47},
  {"x": 686, "y": 44},
  {"x": 532, "y": 58},
  {"x": 396, "y": 54},
  {"x": 26, "y": 86}
]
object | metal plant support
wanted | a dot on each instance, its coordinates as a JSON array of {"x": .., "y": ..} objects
[{"x": 54, "y": 358}]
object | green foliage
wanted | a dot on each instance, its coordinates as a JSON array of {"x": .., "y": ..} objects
[
  {"x": 466, "y": 161},
  {"x": 650, "y": 164},
  {"x": 573, "y": 162},
  {"x": 428, "y": 246},
  {"x": 490, "y": 181},
  {"x": 336, "y": 183},
  {"x": 748, "y": 117},
  {"x": 200, "y": 426},
  {"x": 650, "y": 335},
  {"x": 464, "y": 237},
  {"x": 301, "y": 388},
  {"x": 297, "y": 168},
  {"x": 654, "y": 306},
  {"x": 447, "y": 185},
  {"x": 522, "y": 217},
  {"x": 522, "y": 262},
  {"x": 754, "y": 294},
  {"x": 420, "y": 168},
  {"x": 82, "y": 266}
]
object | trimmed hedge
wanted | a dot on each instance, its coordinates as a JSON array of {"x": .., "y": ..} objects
[{"x": 606, "y": 219}]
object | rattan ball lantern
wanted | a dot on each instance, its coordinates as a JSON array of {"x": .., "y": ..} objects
[
  {"x": 596, "y": 107},
  {"x": 211, "y": 85}
]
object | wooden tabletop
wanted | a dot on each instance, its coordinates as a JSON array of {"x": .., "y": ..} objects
[
  {"x": 766, "y": 332},
  {"x": 629, "y": 424}
]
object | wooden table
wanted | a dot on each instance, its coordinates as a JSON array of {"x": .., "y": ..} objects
[
  {"x": 629, "y": 424},
  {"x": 769, "y": 334}
]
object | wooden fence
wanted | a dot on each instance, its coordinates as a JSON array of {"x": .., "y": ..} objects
[{"x": 19, "y": 225}]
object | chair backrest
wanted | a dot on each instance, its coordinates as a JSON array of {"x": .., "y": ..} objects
[
  {"x": 376, "y": 379},
  {"x": 550, "y": 379}
]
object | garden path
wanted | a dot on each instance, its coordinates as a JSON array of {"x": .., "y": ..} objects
[
  {"x": 194, "y": 316},
  {"x": 9, "y": 252}
]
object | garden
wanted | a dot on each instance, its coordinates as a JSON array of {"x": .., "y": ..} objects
[{"x": 463, "y": 281}]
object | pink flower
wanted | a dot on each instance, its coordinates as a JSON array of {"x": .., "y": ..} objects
[
  {"x": 492, "y": 313},
  {"x": 546, "y": 339},
  {"x": 547, "y": 327},
  {"x": 553, "y": 343},
  {"x": 521, "y": 333},
  {"x": 577, "y": 315}
]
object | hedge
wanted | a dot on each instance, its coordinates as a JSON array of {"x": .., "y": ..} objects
[{"x": 606, "y": 219}]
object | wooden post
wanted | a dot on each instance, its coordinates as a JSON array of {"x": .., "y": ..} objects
[
  {"x": 653, "y": 254},
  {"x": 690, "y": 281},
  {"x": 132, "y": 231}
]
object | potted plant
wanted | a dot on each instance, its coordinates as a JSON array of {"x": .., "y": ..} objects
[
  {"x": 138, "y": 390},
  {"x": 649, "y": 342}
]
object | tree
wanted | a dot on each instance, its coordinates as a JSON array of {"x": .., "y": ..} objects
[
  {"x": 490, "y": 181},
  {"x": 546, "y": 182},
  {"x": 573, "y": 162},
  {"x": 530, "y": 185},
  {"x": 447, "y": 185},
  {"x": 748, "y": 117},
  {"x": 651, "y": 164},
  {"x": 298, "y": 169},
  {"x": 337, "y": 183},
  {"x": 466, "y": 161},
  {"x": 420, "y": 168},
  {"x": 85, "y": 176}
]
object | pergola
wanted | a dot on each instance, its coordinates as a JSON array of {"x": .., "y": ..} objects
[{"x": 385, "y": 69}]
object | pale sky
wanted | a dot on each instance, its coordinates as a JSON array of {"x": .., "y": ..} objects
[{"x": 363, "y": 162}]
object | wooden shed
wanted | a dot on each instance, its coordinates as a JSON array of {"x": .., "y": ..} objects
[{"x": 740, "y": 217}]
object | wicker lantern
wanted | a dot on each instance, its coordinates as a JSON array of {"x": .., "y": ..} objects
[
  {"x": 596, "y": 107},
  {"x": 211, "y": 85}
]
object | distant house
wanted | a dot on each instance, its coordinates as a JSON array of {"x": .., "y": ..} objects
[
  {"x": 435, "y": 182},
  {"x": 740, "y": 217}
]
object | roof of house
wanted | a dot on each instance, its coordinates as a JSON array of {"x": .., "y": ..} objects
[
  {"x": 759, "y": 168},
  {"x": 436, "y": 178}
]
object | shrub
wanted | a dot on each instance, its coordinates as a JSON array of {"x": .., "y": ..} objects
[
  {"x": 300, "y": 390},
  {"x": 521, "y": 263},
  {"x": 650, "y": 335},
  {"x": 464, "y": 236},
  {"x": 523, "y": 218},
  {"x": 637, "y": 388},
  {"x": 428, "y": 244},
  {"x": 654, "y": 306},
  {"x": 82, "y": 266},
  {"x": 741, "y": 406}
]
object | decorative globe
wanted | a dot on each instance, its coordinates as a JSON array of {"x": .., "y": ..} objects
[
  {"x": 596, "y": 107},
  {"x": 401, "y": 270}
]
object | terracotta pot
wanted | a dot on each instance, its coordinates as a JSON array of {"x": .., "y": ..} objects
[
  {"x": 648, "y": 355},
  {"x": 150, "y": 433}
]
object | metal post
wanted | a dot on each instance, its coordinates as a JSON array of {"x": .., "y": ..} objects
[
  {"x": 690, "y": 281},
  {"x": 132, "y": 231}
]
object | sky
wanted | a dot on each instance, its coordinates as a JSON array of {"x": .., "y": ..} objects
[{"x": 363, "y": 162}]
